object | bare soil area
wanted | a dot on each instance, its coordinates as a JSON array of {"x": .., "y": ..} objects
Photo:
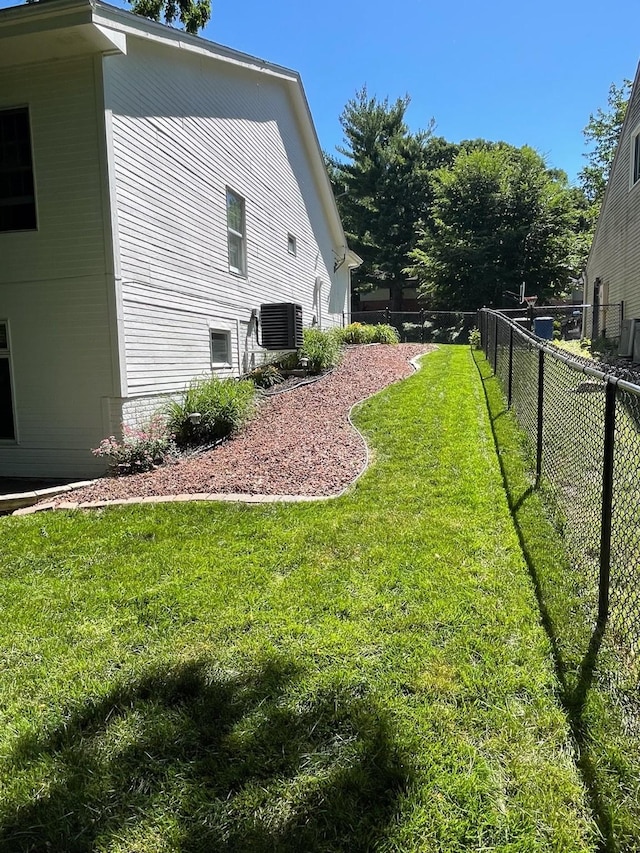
[{"x": 300, "y": 442}]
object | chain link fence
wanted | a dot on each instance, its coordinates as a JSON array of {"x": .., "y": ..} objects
[{"x": 583, "y": 426}]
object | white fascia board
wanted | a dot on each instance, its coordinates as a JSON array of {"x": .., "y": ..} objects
[
  {"x": 136, "y": 25},
  {"x": 353, "y": 260},
  {"x": 42, "y": 31},
  {"x": 308, "y": 130}
]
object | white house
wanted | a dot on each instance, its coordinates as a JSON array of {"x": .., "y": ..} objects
[
  {"x": 613, "y": 267},
  {"x": 155, "y": 190}
]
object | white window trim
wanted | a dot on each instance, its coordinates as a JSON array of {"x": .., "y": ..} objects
[
  {"x": 292, "y": 242},
  {"x": 632, "y": 157},
  {"x": 242, "y": 235},
  {"x": 5, "y": 355},
  {"x": 219, "y": 365}
]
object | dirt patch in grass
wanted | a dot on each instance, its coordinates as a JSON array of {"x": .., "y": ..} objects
[{"x": 300, "y": 442}]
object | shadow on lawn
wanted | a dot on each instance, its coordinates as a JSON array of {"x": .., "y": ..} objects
[{"x": 209, "y": 761}]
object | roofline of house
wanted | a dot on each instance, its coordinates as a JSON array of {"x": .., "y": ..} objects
[{"x": 46, "y": 14}]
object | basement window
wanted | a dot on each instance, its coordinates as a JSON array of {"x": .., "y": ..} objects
[
  {"x": 17, "y": 193},
  {"x": 220, "y": 348}
]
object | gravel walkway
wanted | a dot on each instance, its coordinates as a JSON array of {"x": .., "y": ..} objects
[{"x": 300, "y": 442}]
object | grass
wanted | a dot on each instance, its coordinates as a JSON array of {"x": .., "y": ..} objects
[
  {"x": 365, "y": 674},
  {"x": 587, "y": 665}
]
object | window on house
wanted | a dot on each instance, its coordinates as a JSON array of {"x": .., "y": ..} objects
[
  {"x": 220, "y": 348},
  {"x": 17, "y": 195},
  {"x": 236, "y": 233},
  {"x": 636, "y": 159},
  {"x": 292, "y": 247},
  {"x": 7, "y": 425}
]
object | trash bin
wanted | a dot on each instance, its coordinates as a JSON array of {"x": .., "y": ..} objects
[{"x": 543, "y": 327}]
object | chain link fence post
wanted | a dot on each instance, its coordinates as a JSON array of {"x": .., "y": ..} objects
[
  {"x": 510, "y": 379},
  {"x": 540, "y": 415},
  {"x": 607, "y": 501}
]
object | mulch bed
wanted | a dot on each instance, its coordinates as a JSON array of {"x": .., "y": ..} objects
[{"x": 300, "y": 442}]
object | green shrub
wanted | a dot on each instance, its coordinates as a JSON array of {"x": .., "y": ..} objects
[
  {"x": 322, "y": 349},
  {"x": 266, "y": 376},
  {"x": 385, "y": 334},
  {"x": 140, "y": 448},
  {"x": 475, "y": 341},
  {"x": 356, "y": 333},
  {"x": 224, "y": 406}
]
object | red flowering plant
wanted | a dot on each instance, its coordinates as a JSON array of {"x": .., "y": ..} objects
[{"x": 140, "y": 448}]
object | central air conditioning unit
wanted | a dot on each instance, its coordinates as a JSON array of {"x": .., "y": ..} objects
[
  {"x": 627, "y": 337},
  {"x": 281, "y": 325}
]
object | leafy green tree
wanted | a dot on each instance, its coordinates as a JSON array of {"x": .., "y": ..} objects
[
  {"x": 382, "y": 188},
  {"x": 603, "y": 133},
  {"x": 499, "y": 217},
  {"x": 192, "y": 14}
]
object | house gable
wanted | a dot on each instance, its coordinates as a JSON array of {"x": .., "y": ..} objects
[{"x": 614, "y": 259}]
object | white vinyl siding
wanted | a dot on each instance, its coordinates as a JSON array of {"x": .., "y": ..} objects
[
  {"x": 615, "y": 252},
  {"x": 53, "y": 281},
  {"x": 184, "y": 133}
]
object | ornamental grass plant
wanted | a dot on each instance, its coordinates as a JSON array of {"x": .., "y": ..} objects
[{"x": 223, "y": 407}]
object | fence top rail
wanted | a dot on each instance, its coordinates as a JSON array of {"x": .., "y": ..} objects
[{"x": 570, "y": 361}]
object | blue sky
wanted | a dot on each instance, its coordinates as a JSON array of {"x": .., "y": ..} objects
[{"x": 527, "y": 75}]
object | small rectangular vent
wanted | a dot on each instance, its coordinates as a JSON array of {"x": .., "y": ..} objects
[{"x": 281, "y": 325}]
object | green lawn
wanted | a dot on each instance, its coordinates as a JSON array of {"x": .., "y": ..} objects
[{"x": 365, "y": 674}]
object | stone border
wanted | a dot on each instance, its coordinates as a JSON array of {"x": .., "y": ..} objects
[
  {"x": 18, "y": 500},
  {"x": 26, "y": 503}
]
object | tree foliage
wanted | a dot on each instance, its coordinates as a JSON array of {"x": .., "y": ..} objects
[
  {"x": 192, "y": 14},
  {"x": 499, "y": 217},
  {"x": 381, "y": 184},
  {"x": 603, "y": 133}
]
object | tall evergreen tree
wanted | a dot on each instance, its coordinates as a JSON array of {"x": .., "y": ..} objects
[{"x": 381, "y": 183}]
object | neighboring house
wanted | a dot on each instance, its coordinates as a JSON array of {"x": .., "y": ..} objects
[
  {"x": 155, "y": 190},
  {"x": 613, "y": 267}
]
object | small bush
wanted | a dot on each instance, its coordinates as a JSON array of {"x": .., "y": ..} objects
[
  {"x": 321, "y": 348},
  {"x": 385, "y": 334},
  {"x": 139, "y": 449},
  {"x": 356, "y": 333},
  {"x": 224, "y": 406},
  {"x": 364, "y": 333},
  {"x": 266, "y": 376},
  {"x": 475, "y": 341}
]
